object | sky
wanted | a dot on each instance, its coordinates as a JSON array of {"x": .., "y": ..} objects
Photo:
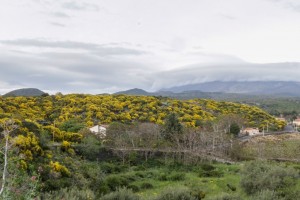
[{"x": 104, "y": 46}]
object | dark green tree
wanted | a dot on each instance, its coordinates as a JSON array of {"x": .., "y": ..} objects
[
  {"x": 234, "y": 129},
  {"x": 172, "y": 126},
  {"x": 72, "y": 125}
]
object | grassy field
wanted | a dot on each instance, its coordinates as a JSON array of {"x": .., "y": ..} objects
[
  {"x": 210, "y": 180},
  {"x": 194, "y": 180}
]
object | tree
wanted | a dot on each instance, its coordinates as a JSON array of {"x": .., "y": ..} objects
[
  {"x": 8, "y": 127},
  {"x": 171, "y": 127},
  {"x": 234, "y": 129}
]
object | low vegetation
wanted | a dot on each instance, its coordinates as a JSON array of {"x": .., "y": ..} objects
[{"x": 155, "y": 148}]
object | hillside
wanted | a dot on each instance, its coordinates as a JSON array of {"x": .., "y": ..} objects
[
  {"x": 26, "y": 92},
  {"x": 275, "y": 105},
  {"x": 109, "y": 108}
]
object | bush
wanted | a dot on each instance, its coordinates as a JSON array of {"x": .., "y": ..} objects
[
  {"x": 56, "y": 184},
  {"x": 146, "y": 185},
  {"x": 208, "y": 170},
  {"x": 140, "y": 174},
  {"x": 231, "y": 187},
  {"x": 226, "y": 196},
  {"x": 115, "y": 181},
  {"x": 72, "y": 125},
  {"x": 162, "y": 177},
  {"x": 198, "y": 194},
  {"x": 89, "y": 147},
  {"x": 213, "y": 173},
  {"x": 134, "y": 188},
  {"x": 121, "y": 194},
  {"x": 266, "y": 195},
  {"x": 175, "y": 194},
  {"x": 69, "y": 193},
  {"x": 108, "y": 167},
  {"x": 176, "y": 176},
  {"x": 130, "y": 177},
  {"x": 207, "y": 167},
  {"x": 257, "y": 176}
]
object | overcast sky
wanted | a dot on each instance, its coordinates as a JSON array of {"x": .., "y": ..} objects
[{"x": 97, "y": 46}]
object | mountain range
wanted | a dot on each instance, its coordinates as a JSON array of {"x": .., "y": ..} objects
[{"x": 221, "y": 90}]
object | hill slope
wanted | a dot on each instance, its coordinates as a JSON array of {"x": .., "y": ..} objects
[
  {"x": 27, "y": 92},
  {"x": 124, "y": 108}
]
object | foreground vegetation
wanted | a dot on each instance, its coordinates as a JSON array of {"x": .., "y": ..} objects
[{"x": 155, "y": 148}]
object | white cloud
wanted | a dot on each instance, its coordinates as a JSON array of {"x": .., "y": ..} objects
[{"x": 111, "y": 45}]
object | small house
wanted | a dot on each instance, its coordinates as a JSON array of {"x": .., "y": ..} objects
[
  {"x": 296, "y": 122},
  {"x": 99, "y": 130},
  {"x": 250, "y": 131}
]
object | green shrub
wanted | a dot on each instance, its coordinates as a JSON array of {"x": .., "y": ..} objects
[
  {"x": 115, "y": 181},
  {"x": 69, "y": 193},
  {"x": 134, "y": 188},
  {"x": 213, "y": 173},
  {"x": 89, "y": 147},
  {"x": 146, "y": 185},
  {"x": 173, "y": 176},
  {"x": 207, "y": 167},
  {"x": 226, "y": 196},
  {"x": 109, "y": 168},
  {"x": 266, "y": 195},
  {"x": 139, "y": 168},
  {"x": 175, "y": 194},
  {"x": 231, "y": 187},
  {"x": 176, "y": 176},
  {"x": 162, "y": 177},
  {"x": 140, "y": 174},
  {"x": 198, "y": 194},
  {"x": 121, "y": 194},
  {"x": 207, "y": 170},
  {"x": 56, "y": 184},
  {"x": 130, "y": 177},
  {"x": 259, "y": 175}
]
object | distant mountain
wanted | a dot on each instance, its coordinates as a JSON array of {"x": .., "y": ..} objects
[
  {"x": 193, "y": 94},
  {"x": 135, "y": 91},
  {"x": 27, "y": 92},
  {"x": 276, "y": 88}
]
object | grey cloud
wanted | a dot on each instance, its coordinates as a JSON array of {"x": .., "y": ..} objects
[
  {"x": 291, "y": 4},
  {"x": 101, "y": 50},
  {"x": 57, "y": 24},
  {"x": 294, "y": 6},
  {"x": 72, "y": 72},
  {"x": 73, "y": 5},
  {"x": 199, "y": 73},
  {"x": 60, "y": 14},
  {"x": 84, "y": 72}
]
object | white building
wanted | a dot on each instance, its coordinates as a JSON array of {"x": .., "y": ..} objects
[
  {"x": 250, "y": 131},
  {"x": 99, "y": 130},
  {"x": 296, "y": 122}
]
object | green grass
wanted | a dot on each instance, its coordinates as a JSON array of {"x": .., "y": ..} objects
[
  {"x": 211, "y": 186},
  {"x": 148, "y": 183}
]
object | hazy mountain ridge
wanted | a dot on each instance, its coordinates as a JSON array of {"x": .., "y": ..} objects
[
  {"x": 278, "y": 88},
  {"x": 225, "y": 90}
]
